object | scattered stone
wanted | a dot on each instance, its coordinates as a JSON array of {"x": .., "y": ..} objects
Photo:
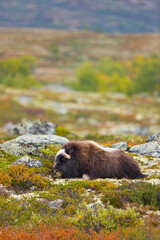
[
  {"x": 56, "y": 203},
  {"x": 154, "y": 137},
  {"x": 57, "y": 87},
  {"x": 51, "y": 204},
  {"x": 9, "y": 126},
  {"x": 136, "y": 130},
  {"x": 33, "y": 127},
  {"x": 95, "y": 205},
  {"x": 121, "y": 145},
  {"x": 29, "y": 144},
  {"x": 149, "y": 148},
  {"x": 28, "y": 161},
  {"x": 24, "y": 100}
]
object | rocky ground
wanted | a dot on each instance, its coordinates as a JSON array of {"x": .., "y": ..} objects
[
  {"x": 32, "y": 193},
  {"x": 80, "y": 112}
]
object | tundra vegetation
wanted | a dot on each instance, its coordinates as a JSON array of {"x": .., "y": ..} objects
[
  {"x": 92, "y": 209},
  {"x": 107, "y": 75},
  {"x": 139, "y": 75},
  {"x": 88, "y": 209}
]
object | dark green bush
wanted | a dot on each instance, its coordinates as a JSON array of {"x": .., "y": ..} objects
[
  {"x": 143, "y": 193},
  {"x": 113, "y": 197}
]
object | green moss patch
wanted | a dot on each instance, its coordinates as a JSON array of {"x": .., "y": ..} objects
[
  {"x": 111, "y": 139},
  {"x": 6, "y": 159}
]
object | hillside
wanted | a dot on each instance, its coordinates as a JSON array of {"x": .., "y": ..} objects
[
  {"x": 125, "y": 16},
  {"x": 58, "y": 53}
]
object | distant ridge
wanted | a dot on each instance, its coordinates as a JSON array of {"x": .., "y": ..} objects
[{"x": 118, "y": 16}]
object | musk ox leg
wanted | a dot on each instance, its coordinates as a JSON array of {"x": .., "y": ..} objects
[{"x": 86, "y": 177}]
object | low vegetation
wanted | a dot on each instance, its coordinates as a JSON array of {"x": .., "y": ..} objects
[
  {"x": 20, "y": 177},
  {"x": 16, "y": 72},
  {"x": 97, "y": 209},
  {"x": 131, "y": 76},
  {"x": 104, "y": 209}
]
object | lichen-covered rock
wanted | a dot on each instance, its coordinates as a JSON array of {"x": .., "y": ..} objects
[
  {"x": 154, "y": 137},
  {"x": 33, "y": 127},
  {"x": 51, "y": 204},
  {"x": 56, "y": 203},
  {"x": 121, "y": 145},
  {"x": 150, "y": 149},
  {"x": 28, "y": 161},
  {"x": 29, "y": 144}
]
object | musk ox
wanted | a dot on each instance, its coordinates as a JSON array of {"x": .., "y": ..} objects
[{"x": 87, "y": 159}]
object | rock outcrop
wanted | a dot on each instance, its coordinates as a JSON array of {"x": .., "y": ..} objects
[
  {"x": 154, "y": 137},
  {"x": 29, "y": 144},
  {"x": 150, "y": 148},
  {"x": 33, "y": 127},
  {"x": 28, "y": 161},
  {"x": 121, "y": 145}
]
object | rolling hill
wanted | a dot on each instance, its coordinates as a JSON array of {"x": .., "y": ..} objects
[{"x": 124, "y": 16}]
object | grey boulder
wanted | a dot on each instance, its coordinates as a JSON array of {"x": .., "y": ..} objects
[
  {"x": 32, "y": 127},
  {"x": 29, "y": 144},
  {"x": 153, "y": 138},
  {"x": 28, "y": 161},
  {"x": 150, "y": 149},
  {"x": 121, "y": 145},
  {"x": 51, "y": 204}
]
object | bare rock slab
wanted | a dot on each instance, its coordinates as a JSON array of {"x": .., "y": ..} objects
[
  {"x": 28, "y": 161},
  {"x": 121, "y": 145},
  {"x": 29, "y": 144},
  {"x": 149, "y": 149},
  {"x": 33, "y": 127},
  {"x": 154, "y": 137}
]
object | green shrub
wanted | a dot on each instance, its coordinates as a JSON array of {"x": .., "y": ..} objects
[
  {"x": 87, "y": 77},
  {"x": 147, "y": 77},
  {"x": 98, "y": 217},
  {"x": 17, "y": 72},
  {"x": 143, "y": 193},
  {"x": 113, "y": 197},
  {"x": 131, "y": 76},
  {"x": 18, "y": 212}
]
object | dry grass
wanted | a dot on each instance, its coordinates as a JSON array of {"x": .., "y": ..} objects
[{"x": 74, "y": 48}]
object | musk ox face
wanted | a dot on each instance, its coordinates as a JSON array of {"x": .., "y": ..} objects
[
  {"x": 86, "y": 158},
  {"x": 64, "y": 160}
]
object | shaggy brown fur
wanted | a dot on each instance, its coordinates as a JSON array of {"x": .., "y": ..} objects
[{"x": 78, "y": 158}]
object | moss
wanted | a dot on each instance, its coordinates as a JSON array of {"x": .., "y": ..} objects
[
  {"x": 6, "y": 159},
  {"x": 6, "y": 138},
  {"x": 63, "y": 132},
  {"x": 85, "y": 184},
  {"x": 60, "y": 131},
  {"x": 48, "y": 160},
  {"x": 51, "y": 150},
  {"x": 111, "y": 139}
]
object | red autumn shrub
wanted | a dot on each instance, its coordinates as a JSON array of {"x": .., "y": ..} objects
[{"x": 54, "y": 233}]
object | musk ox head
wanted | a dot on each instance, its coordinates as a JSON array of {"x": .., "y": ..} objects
[
  {"x": 86, "y": 158},
  {"x": 64, "y": 160}
]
